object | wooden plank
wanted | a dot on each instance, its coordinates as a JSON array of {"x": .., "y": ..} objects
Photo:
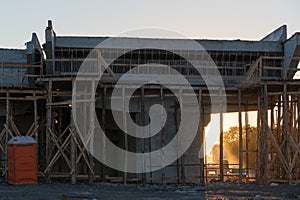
[
  {"x": 91, "y": 133},
  {"x": 82, "y": 152},
  {"x": 63, "y": 147},
  {"x": 106, "y": 65},
  {"x": 240, "y": 135},
  {"x": 103, "y": 129},
  {"x": 72, "y": 144},
  {"x": 221, "y": 142},
  {"x": 7, "y": 117},
  {"x": 162, "y": 139},
  {"x": 182, "y": 159},
  {"x": 247, "y": 139},
  {"x": 286, "y": 129},
  {"x": 144, "y": 177},
  {"x": 278, "y": 149},
  {"x": 176, "y": 130},
  {"x": 201, "y": 132},
  {"x": 14, "y": 128},
  {"x": 48, "y": 127},
  {"x": 264, "y": 151},
  {"x": 60, "y": 149},
  {"x": 251, "y": 70},
  {"x": 125, "y": 134},
  {"x": 2, "y": 135}
]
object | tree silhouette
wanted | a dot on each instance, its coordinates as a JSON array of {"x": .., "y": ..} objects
[{"x": 231, "y": 145}]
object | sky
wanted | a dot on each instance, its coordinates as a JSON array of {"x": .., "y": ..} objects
[
  {"x": 230, "y": 19},
  {"x": 211, "y": 19}
]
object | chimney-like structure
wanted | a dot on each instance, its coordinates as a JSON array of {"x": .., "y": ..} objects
[{"x": 49, "y": 47}]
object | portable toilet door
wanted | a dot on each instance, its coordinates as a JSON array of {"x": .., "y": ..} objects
[{"x": 22, "y": 164}]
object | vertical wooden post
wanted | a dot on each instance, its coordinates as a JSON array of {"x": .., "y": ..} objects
[
  {"x": 263, "y": 150},
  {"x": 103, "y": 129},
  {"x": 247, "y": 140},
  {"x": 271, "y": 146},
  {"x": 125, "y": 134},
  {"x": 240, "y": 136},
  {"x": 162, "y": 137},
  {"x": 176, "y": 129},
  {"x": 73, "y": 146},
  {"x": 298, "y": 123},
  {"x": 221, "y": 149},
  {"x": 201, "y": 128},
  {"x": 182, "y": 159},
  {"x": 48, "y": 128},
  {"x": 298, "y": 116},
  {"x": 262, "y": 162},
  {"x": 35, "y": 117},
  {"x": 35, "y": 126},
  {"x": 7, "y": 116},
  {"x": 221, "y": 142},
  {"x": 143, "y": 139},
  {"x": 279, "y": 133},
  {"x": 92, "y": 129},
  {"x": 258, "y": 130},
  {"x": 286, "y": 130}
]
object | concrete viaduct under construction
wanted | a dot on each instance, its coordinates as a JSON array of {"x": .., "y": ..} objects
[{"x": 36, "y": 87}]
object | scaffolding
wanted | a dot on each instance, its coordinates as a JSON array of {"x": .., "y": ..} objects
[{"x": 253, "y": 81}]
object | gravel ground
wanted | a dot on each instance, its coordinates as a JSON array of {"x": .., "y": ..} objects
[{"x": 149, "y": 192}]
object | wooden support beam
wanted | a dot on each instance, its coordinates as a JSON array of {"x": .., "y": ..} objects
[
  {"x": 14, "y": 127},
  {"x": 182, "y": 159},
  {"x": 103, "y": 129},
  {"x": 102, "y": 62},
  {"x": 7, "y": 119},
  {"x": 263, "y": 164},
  {"x": 91, "y": 132},
  {"x": 48, "y": 127},
  {"x": 201, "y": 132},
  {"x": 73, "y": 145},
  {"x": 61, "y": 148},
  {"x": 258, "y": 130},
  {"x": 298, "y": 116},
  {"x": 221, "y": 142},
  {"x": 162, "y": 140},
  {"x": 247, "y": 140},
  {"x": 265, "y": 151},
  {"x": 144, "y": 181},
  {"x": 125, "y": 134},
  {"x": 36, "y": 126},
  {"x": 240, "y": 135},
  {"x": 286, "y": 130},
  {"x": 82, "y": 152},
  {"x": 176, "y": 130}
]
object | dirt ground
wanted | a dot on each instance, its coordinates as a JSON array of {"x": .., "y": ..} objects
[{"x": 149, "y": 192}]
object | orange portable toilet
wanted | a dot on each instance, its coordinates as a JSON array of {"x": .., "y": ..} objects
[{"x": 22, "y": 166}]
